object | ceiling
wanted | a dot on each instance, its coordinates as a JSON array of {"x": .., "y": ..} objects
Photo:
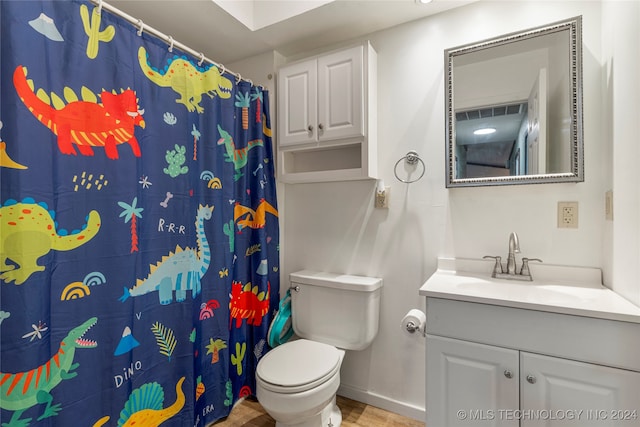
[{"x": 206, "y": 27}]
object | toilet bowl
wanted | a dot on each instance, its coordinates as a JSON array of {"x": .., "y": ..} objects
[{"x": 297, "y": 382}]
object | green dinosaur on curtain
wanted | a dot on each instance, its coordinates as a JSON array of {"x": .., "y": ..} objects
[
  {"x": 22, "y": 390},
  {"x": 237, "y": 156}
]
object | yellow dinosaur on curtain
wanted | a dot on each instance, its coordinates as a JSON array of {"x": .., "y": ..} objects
[{"x": 188, "y": 80}]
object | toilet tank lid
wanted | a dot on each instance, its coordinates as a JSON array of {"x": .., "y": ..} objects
[{"x": 334, "y": 280}]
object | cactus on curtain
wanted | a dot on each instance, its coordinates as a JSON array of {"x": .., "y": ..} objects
[{"x": 139, "y": 225}]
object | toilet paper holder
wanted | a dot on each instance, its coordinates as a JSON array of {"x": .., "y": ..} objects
[
  {"x": 412, "y": 327},
  {"x": 414, "y": 321}
]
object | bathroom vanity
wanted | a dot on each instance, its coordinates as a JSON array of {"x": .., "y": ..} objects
[{"x": 558, "y": 350}]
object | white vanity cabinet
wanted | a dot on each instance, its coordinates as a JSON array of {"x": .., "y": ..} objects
[
  {"x": 467, "y": 383},
  {"x": 596, "y": 395},
  {"x": 326, "y": 117},
  {"x": 481, "y": 385},
  {"x": 562, "y": 350}
]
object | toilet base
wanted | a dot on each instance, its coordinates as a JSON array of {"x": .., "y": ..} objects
[{"x": 330, "y": 416}]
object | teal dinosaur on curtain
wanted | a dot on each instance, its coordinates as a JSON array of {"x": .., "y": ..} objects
[{"x": 139, "y": 225}]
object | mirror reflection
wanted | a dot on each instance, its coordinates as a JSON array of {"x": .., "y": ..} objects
[{"x": 514, "y": 108}]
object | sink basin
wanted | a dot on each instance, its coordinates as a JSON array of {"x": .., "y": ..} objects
[{"x": 559, "y": 289}]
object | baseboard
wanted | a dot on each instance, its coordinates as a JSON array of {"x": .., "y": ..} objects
[{"x": 383, "y": 402}]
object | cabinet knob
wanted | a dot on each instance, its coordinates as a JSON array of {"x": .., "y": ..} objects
[
  {"x": 508, "y": 373},
  {"x": 310, "y": 128},
  {"x": 531, "y": 379},
  {"x": 321, "y": 126}
]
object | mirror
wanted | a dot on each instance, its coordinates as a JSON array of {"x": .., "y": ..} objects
[{"x": 514, "y": 108}]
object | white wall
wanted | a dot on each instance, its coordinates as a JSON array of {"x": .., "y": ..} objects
[
  {"x": 334, "y": 227},
  {"x": 621, "y": 68}
]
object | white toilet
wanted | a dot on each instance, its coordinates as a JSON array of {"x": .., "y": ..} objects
[{"x": 296, "y": 382}]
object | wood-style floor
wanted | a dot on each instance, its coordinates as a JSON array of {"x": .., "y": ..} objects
[{"x": 249, "y": 413}]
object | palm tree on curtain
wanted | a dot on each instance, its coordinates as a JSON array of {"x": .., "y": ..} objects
[
  {"x": 243, "y": 100},
  {"x": 130, "y": 213},
  {"x": 258, "y": 98},
  {"x": 196, "y": 136}
]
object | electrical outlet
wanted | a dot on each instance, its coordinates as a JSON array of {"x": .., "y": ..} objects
[
  {"x": 382, "y": 198},
  {"x": 567, "y": 214}
]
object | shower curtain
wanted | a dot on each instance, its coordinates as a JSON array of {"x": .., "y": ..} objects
[{"x": 139, "y": 225}]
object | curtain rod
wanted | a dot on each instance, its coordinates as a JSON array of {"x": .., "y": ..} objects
[{"x": 142, "y": 27}]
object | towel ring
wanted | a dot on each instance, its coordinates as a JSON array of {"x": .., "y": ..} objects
[{"x": 411, "y": 158}]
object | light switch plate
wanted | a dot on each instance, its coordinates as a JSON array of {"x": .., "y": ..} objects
[{"x": 608, "y": 205}]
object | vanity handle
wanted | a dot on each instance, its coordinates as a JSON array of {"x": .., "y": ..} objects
[
  {"x": 497, "y": 268},
  {"x": 524, "y": 271},
  {"x": 531, "y": 379},
  {"x": 508, "y": 373}
]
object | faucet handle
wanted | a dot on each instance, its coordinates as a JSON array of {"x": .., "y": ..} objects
[
  {"x": 524, "y": 271},
  {"x": 497, "y": 268}
]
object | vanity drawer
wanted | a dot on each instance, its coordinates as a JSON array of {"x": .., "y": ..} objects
[{"x": 587, "y": 339}]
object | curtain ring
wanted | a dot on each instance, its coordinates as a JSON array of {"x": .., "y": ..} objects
[
  {"x": 238, "y": 78},
  {"x": 250, "y": 82},
  {"x": 141, "y": 28},
  {"x": 201, "y": 59},
  {"x": 411, "y": 158},
  {"x": 224, "y": 70},
  {"x": 170, "y": 44},
  {"x": 99, "y": 11}
]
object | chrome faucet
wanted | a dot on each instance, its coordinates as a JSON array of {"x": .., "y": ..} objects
[
  {"x": 512, "y": 273},
  {"x": 514, "y": 248}
]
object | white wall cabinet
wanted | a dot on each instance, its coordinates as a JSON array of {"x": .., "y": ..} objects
[
  {"x": 326, "y": 117},
  {"x": 501, "y": 366}
]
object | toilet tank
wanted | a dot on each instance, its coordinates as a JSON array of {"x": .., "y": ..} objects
[{"x": 337, "y": 309}]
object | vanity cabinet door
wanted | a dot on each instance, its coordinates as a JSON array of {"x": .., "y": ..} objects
[
  {"x": 470, "y": 384},
  {"x": 561, "y": 392},
  {"x": 297, "y": 103}
]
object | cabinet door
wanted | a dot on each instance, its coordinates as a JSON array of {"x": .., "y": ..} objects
[
  {"x": 340, "y": 94},
  {"x": 469, "y": 384},
  {"x": 561, "y": 392},
  {"x": 297, "y": 103}
]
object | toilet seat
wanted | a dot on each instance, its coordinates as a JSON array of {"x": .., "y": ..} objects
[{"x": 298, "y": 366}]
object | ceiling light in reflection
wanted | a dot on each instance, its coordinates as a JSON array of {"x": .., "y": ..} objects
[{"x": 484, "y": 131}]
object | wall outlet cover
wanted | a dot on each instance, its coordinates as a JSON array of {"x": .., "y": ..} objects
[{"x": 567, "y": 214}]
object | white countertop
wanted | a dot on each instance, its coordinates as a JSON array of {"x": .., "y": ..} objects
[{"x": 558, "y": 289}]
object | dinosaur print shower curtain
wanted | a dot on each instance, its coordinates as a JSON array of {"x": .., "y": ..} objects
[{"x": 139, "y": 225}]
